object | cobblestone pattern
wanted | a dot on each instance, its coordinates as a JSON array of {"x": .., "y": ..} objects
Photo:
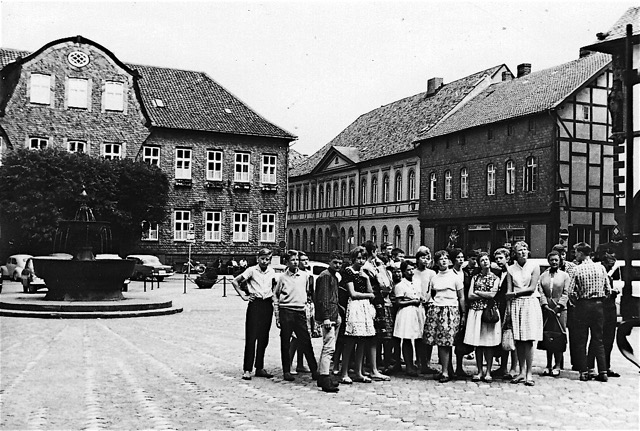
[{"x": 183, "y": 372}]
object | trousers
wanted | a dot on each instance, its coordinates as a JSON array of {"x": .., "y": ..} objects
[
  {"x": 329, "y": 337},
  {"x": 257, "y": 326},
  {"x": 295, "y": 322},
  {"x": 589, "y": 321}
]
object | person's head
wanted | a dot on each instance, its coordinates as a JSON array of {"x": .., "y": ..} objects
[
  {"x": 441, "y": 259},
  {"x": 608, "y": 260},
  {"x": 397, "y": 254},
  {"x": 303, "y": 261},
  {"x": 335, "y": 260},
  {"x": 422, "y": 259},
  {"x": 583, "y": 250},
  {"x": 562, "y": 251},
  {"x": 472, "y": 259},
  {"x": 484, "y": 260},
  {"x": 264, "y": 258},
  {"x": 371, "y": 248},
  {"x": 292, "y": 260},
  {"x": 521, "y": 251},
  {"x": 554, "y": 259},
  {"x": 358, "y": 257},
  {"x": 456, "y": 256},
  {"x": 501, "y": 257},
  {"x": 427, "y": 250},
  {"x": 396, "y": 273},
  {"x": 407, "y": 267},
  {"x": 386, "y": 248}
]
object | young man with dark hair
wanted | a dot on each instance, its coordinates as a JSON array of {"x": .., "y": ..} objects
[
  {"x": 385, "y": 252},
  {"x": 397, "y": 256},
  {"x": 259, "y": 292}
]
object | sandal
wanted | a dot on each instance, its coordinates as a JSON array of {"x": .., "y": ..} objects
[
  {"x": 487, "y": 379},
  {"x": 517, "y": 380},
  {"x": 529, "y": 383},
  {"x": 381, "y": 378},
  {"x": 555, "y": 372},
  {"x": 364, "y": 379},
  {"x": 444, "y": 379},
  {"x": 346, "y": 381},
  {"x": 476, "y": 378},
  {"x": 546, "y": 372}
]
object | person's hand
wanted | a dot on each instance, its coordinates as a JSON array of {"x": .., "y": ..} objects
[
  {"x": 327, "y": 324},
  {"x": 510, "y": 295},
  {"x": 277, "y": 322},
  {"x": 252, "y": 296}
]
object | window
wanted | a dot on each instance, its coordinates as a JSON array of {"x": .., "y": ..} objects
[
  {"x": 320, "y": 197},
  {"x": 77, "y": 146},
  {"x": 40, "y": 89},
  {"x": 78, "y": 93},
  {"x": 363, "y": 235},
  {"x": 151, "y": 155},
  {"x": 352, "y": 193},
  {"x": 151, "y": 232},
  {"x": 213, "y": 226},
  {"x": 343, "y": 194},
  {"x": 510, "y": 178},
  {"x": 38, "y": 143},
  {"x": 385, "y": 188},
  {"x": 214, "y": 165},
  {"x": 297, "y": 242},
  {"x": 320, "y": 245},
  {"x": 343, "y": 241},
  {"x": 585, "y": 112},
  {"x": 374, "y": 235},
  {"x": 269, "y": 169},
  {"x": 114, "y": 96},
  {"x": 292, "y": 197},
  {"x": 313, "y": 197},
  {"x": 532, "y": 125},
  {"x": 298, "y": 194},
  {"x": 112, "y": 151},
  {"x": 489, "y": 134},
  {"x": 464, "y": 183},
  {"x": 412, "y": 184},
  {"x": 491, "y": 179},
  {"x": 268, "y": 227},
  {"x": 351, "y": 238},
  {"x": 328, "y": 201},
  {"x": 241, "y": 172},
  {"x": 447, "y": 184},
  {"x": 305, "y": 198},
  {"x": 374, "y": 190},
  {"x": 509, "y": 129},
  {"x": 290, "y": 239},
  {"x": 305, "y": 240},
  {"x": 183, "y": 163},
  {"x": 433, "y": 183},
  {"x": 181, "y": 225},
  {"x": 397, "y": 237},
  {"x": 530, "y": 175},
  {"x": 336, "y": 195},
  {"x": 312, "y": 240},
  {"x": 398, "y": 187},
  {"x": 241, "y": 227},
  {"x": 410, "y": 241},
  {"x": 385, "y": 234},
  {"x": 363, "y": 191}
]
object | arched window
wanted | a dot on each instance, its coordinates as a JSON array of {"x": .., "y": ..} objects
[
  {"x": 297, "y": 243},
  {"x": 412, "y": 184},
  {"x": 385, "y": 234},
  {"x": 491, "y": 179},
  {"x": 447, "y": 184},
  {"x": 374, "y": 235},
  {"x": 363, "y": 191},
  {"x": 385, "y": 188},
  {"x": 290, "y": 239},
  {"x": 292, "y": 198},
  {"x": 305, "y": 198},
  {"x": 374, "y": 190},
  {"x": 397, "y": 237},
  {"x": 398, "y": 187},
  {"x": 410, "y": 241},
  {"x": 351, "y": 239},
  {"x": 343, "y": 240},
  {"x": 305, "y": 240},
  {"x": 433, "y": 186},
  {"x": 363, "y": 235},
  {"x": 312, "y": 240},
  {"x": 464, "y": 183},
  {"x": 298, "y": 195},
  {"x": 327, "y": 240},
  {"x": 328, "y": 195},
  {"x": 336, "y": 195},
  {"x": 531, "y": 175},
  {"x": 313, "y": 197},
  {"x": 320, "y": 197},
  {"x": 320, "y": 244},
  {"x": 510, "y": 177},
  {"x": 352, "y": 193},
  {"x": 343, "y": 194}
]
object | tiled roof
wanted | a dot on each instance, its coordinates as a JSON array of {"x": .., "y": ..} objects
[
  {"x": 392, "y": 128},
  {"x": 192, "y": 101},
  {"x": 295, "y": 158},
  {"x": 619, "y": 29},
  {"x": 529, "y": 94}
]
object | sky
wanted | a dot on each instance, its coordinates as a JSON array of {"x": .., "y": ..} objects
[{"x": 313, "y": 67}]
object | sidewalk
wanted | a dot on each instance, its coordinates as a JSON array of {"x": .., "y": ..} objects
[{"x": 182, "y": 371}]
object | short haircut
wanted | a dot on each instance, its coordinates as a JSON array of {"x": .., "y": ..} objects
[
  {"x": 583, "y": 247},
  {"x": 396, "y": 251},
  {"x": 353, "y": 254},
  {"x": 520, "y": 244},
  {"x": 438, "y": 254},
  {"x": 264, "y": 252},
  {"x": 608, "y": 258},
  {"x": 370, "y": 246},
  {"x": 336, "y": 254},
  {"x": 482, "y": 254},
  {"x": 301, "y": 253},
  {"x": 503, "y": 251},
  {"x": 406, "y": 264},
  {"x": 421, "y": 253},
  {"x": 554, "y": 253},
  {"x": 453, "y": 254},
  {"x": 385, "y": 244},
  {"x": 292, "y": 253},
  {"x": 472, "y": 254},
  {"x": 559, "y": 248}
]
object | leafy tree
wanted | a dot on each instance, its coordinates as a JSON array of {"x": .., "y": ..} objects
[{"x": 40, "y": 188}]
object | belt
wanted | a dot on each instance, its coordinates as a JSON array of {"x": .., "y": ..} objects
[
  {"x": 600, "y": 298},
  {"x": 270, "y": 299}
]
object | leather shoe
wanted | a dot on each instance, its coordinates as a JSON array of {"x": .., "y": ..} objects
[
  {"x": 288, "y": 377},
  {"x": 602, "y": 377},
  {"x": 326, "y": 385},
  {"x": 611, "y": 373},
  {"x": 315, "y": 375},
  {"x": 584, "y": 377},
  {"x": 263, "y": 373}
]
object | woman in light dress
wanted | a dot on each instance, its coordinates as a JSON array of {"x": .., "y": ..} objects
[
  {"x": 482, "y": 335},
  {"x": 526, "y": 315}
]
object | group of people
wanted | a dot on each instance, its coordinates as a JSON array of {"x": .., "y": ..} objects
[{"x": 376, "y": 311}]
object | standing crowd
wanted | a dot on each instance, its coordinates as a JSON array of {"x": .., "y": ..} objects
[{"x": 381, "y": 311}]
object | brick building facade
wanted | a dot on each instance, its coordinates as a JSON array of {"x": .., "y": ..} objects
[{"x": 226, "y": 164}]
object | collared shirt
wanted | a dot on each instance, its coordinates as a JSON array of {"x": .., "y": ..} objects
[
  {"x": 521, "y": 276},
  {"x": 326, "y": 296},
  {"x": 408, "y": 289},
  {"x": 259, "y": 282},
  {"x": 291, "y": 290},
  {"x": 590, "y": 280},
  {"x": 423, "y": 278}
]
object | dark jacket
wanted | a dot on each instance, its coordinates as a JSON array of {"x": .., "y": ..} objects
[{"x": 326, "y": 297}]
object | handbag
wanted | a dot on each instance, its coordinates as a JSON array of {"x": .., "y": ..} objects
[
  {"x": 553, "y": 337},
  {"x": 508, "y": 342},
  {"x": 490, "y": 313}
]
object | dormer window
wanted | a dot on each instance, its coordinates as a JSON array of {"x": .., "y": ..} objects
[{"x": 158, "y": 103}]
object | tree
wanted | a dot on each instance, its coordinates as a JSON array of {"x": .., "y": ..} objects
[{"x": 40, "y": 188}]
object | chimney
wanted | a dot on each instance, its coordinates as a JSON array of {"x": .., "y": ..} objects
[
  {"x": 524, "y": 69},
  {"x": 507, "y": 76},
  {"x": 585, "y": 52},
  {"x": 433, "y": 85}
]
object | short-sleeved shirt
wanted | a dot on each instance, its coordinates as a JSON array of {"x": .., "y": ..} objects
[
  {"x": 423, "y": 278},
  {"x": 351, "y": 276},
  {"x": 446, "y": 284},
  {"x": 259, "y": 282},
  {"x": 408, "y": 289},
  {"x": 483, "y": 283}
]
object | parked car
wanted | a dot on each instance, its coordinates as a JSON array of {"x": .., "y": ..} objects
[
  {"x": 13, "y": 268},
  {"x": 149, "y": 266},
  {"x": 317, "y": 267},
  {"x": 617, "y": 275},
  {"x": 30, "y": 281}
]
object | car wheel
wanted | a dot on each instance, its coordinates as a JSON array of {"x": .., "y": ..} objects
[{"x": 159, "y": 278}]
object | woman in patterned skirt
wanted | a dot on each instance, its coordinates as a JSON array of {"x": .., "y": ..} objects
[
  {"x": 526, "y": 314},
  {"x": 483, "y": 335},
  {"x": 443, "y": 315}
]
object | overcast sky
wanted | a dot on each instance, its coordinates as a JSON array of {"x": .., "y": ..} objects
[{"x": 313, "y": 67}]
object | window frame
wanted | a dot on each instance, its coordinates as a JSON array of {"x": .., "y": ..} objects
[
  {"x": 39, "y": 140},
  {"x": 464, "y": 183},
  {"x": 363, "y": 191},
  {"x": 269, "y": 163},
  {"x": 491, "y": 179},
  {"x": 242, "y": 167},
  {"x": 212, "y": 226},
  {"x": 114, "y": 101},
  {"x": 433, "y": 186},
  {"x": 111, "y": 155},
  {"x": 78, "y": 97},
  {"x": 412, "y": 184},
  {"x": 530, "y": 175},
  {"x": 374, "y": 190},
  {"x": 153, "y": 158},
  {"x": 38, "y": 95},
  {"x": 398, "y": 186},
  {"x": 385, "y": 188},
  {"x": 240, "y": 220},
  {"x": 213, "y": 168},
  {"x": 76, "y": 142},
  {"x": 448, "y": 180},
  {"x": 510, "y": 177},
  {"x": 152, "y": 234},
  {"x": 181, "y": 224},
  {"x": 183, "y": 164}
]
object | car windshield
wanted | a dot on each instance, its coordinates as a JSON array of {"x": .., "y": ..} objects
[{"x": 150, "y": 260}]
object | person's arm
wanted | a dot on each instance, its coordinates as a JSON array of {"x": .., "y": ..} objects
[
  {"x": 528, "y": 291},
  {"x": 472, "y": 290},
  {"x": 236, "y": 285},
  {"x": 276, "y": 298},
  {"x": 491, "y": 293},
  {"x": 321, "y": 299},
  {"x": 544, "y": 302},
  {"x": 607, "y": 285},
  {"x": 461, "y": 300}
]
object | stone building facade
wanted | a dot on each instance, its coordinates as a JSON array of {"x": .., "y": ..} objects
[{"x": 227, "y": 165}]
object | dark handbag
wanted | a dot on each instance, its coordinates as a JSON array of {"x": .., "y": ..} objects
[
  {"x": 553, "y": 337},
  {"x": 490, "y": 314}
]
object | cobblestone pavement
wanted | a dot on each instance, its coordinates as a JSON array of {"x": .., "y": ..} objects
[{"x": 183, "y": 372}]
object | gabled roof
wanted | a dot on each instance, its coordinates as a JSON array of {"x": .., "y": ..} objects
[
  {"x": 607, "y": 41},
  {"x": 295, "y": 157},
  {"x": 530, "y": 94},
  {"x": 392, "y": 128},
  {"x": 192, "y": 100}
]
